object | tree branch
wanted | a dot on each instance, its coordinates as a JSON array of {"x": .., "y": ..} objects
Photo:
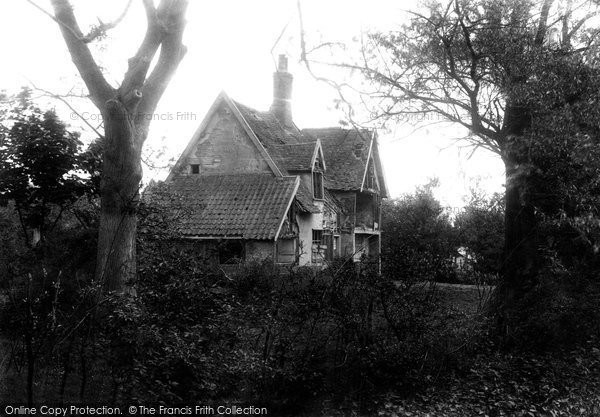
[
  {"x": 542, "y": 24},
  {"x": 51, "y": 16},
  {"x": 66, "y": 103},
  {"x": 100, "y": 90},
  {"x": 102, "y": 28},
  {"x": 140, "y": 62},
  {"x": 171, "y": 14}
]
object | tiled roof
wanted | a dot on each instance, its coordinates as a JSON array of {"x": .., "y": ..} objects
[
  {"x": 249, "y": 206},
  {"x": 289, "y": 148},
  {"x": 346, "y": 152},
  {"x": 294, "y": 156},
  {"x": 267, "y": 128},
  {"x": 304, "y": 197}
]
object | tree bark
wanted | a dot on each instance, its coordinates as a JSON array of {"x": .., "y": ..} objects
[
  {"x": 521, "y": 260},
  {"x": 125, "y": 112},
  {"x": 121, "y": 176},
  {"x": 521, "y": 263}
]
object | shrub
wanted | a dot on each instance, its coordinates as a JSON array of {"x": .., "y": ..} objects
[
  {"x": 262, "y": 333},
  {"x": 561, "y": 311}
]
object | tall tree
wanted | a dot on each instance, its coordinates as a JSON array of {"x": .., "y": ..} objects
[
  {"x": 42, "y": 168},
  {"x": 125, "y": 111},
  {"x": 501, "y": 69}
]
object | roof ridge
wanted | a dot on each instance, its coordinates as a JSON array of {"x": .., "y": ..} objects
[
  {"x": 228, "y": 174},
  {"x": 325, "y": 127},
  {"x": 296, "y": 144}
]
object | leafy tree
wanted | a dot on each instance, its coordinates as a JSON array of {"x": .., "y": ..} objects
[
  {"x": 520, "y": 76},
  {"x": 419, "y": 241},
  {"x": 480, "y": 230},
  {"x": 125, "y": 110},
  {"x": 43, "y": 175},
  {"x": 41, "y": 167}
]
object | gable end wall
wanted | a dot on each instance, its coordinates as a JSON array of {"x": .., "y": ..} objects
[{"x": 225, "y": 148}]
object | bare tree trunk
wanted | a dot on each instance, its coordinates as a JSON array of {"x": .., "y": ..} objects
[
  {"x": 121, "y": 176},
  {"x": 125, "y": 110}
]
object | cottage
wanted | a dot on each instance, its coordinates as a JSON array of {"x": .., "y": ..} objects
[{"x": 256, "y": 186}]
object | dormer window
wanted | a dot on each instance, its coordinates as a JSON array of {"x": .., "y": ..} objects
[
  {"x": 317, "y": 175},
  {"x": 318, "y": 185},
  {"x": 195, "y": 168},
  {"x": 371, "y": 181}
]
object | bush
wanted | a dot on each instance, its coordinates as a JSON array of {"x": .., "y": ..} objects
[
  {"x": 47, "y": 297},
  {"x": 262, "y": 333},
  {"x": 428, "y": 245},
  {"x": 561, "y": 311},
  {"x": 254, "y": 333}
]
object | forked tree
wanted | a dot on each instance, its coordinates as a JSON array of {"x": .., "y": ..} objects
[{"x": 124, "y": 110}]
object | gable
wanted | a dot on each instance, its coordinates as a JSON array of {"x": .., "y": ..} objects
[
  {"x": 319, "y": 162},
  {"x": 224, "y": 144},
  {"x": 381, "y": 180},
  {"x": 225, "y": 147},
  {"x": 298, "y": 157},
  {"x": 268, "y": 129},
  {"x": 371, "y": 180},
  {"x": 347, "y": 153}
]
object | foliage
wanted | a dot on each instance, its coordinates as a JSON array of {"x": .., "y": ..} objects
[
  {"x": 46, "y": 287},
  {"x": 46, "y": 297},
  {"x": 41, "y": 165},
  {"x": 480, "y": 229},
  {"x": 560, "y": 384},
  {"x": 260, "y": 333},
  {"x": 562, "y": 311},
  {"x": 521, "y": 78},
  {"x": 427, "y": 246},
  {"x": 254, "y": 333}
]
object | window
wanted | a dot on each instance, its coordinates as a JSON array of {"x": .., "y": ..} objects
[
  {"x": 371, "y": 182},
  {"x": 195, "y": 168},
  {"x": 318, "y": 185},
  {"x": 376, "y": 211},
  {"x": 286, "y": 251},
  {"x": 325, "y": 246},
  {"x": 291, "y": 214},
  {"x": 230, "y": 251},
  {"x": 317, "y": 236},
  {"x": 317, "y": 249},
  {"x": 362, "y": 247}
]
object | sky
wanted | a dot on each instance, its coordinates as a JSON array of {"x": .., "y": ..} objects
[{"x": 232, "y": 46}]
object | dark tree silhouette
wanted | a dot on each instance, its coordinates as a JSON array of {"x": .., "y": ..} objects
[{"x": 42, "y": 167}]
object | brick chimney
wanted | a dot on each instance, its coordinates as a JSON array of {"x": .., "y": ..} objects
[{"x": 282, "y": 93}]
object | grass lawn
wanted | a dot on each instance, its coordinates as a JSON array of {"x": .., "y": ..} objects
[{"x": 468, "y": 298}]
